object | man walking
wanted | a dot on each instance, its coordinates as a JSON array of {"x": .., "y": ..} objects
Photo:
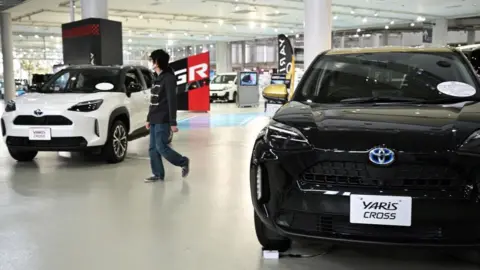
[{"x": 162, "y": 118}]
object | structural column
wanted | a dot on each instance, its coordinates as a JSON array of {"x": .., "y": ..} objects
[
  {"x": 223, "y": 57},
  {"x": 342, "y": 42},
  {"x": 94, "y": 9},
  {"x": 7, "y": 51},
  {"x": 440, "y": 32},
  {"x": 471, "y": 38},
  {"x": 318, "y": 28},
  {"x": 376, "y": 41},
  {"x": 385, "y": 38},
  {"x": 243, "y": 56}
]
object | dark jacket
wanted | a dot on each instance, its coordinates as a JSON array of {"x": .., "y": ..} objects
[{"x": 163, "y": 101}]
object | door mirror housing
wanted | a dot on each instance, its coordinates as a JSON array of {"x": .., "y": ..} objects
[
  {"x": 275, "y": 92},
  {"x": 134, "y": 87}
]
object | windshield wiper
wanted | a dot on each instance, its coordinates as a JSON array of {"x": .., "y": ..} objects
[
  {"x": 380, "y": 99},
  {"x": 451, "y": 100}
]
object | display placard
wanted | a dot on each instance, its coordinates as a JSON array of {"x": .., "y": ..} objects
[{"x": 248, "y": 78}]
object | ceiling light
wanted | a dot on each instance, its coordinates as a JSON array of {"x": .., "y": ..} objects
[
  {"x": 205, "y": 25},
  {"x": 376, "y": 14},
  {"x": 220, "y": 22},
  {"x": 364, "y": 20},
  {"x": 185, "y": 34},
  {"x": 20, "y": 35},
  {"x": 207, "y": 37},
  {"x": 169, "y": 42},
  {"x": 386, "y": 26},
  {"x": 277, "y": 11},
  {"x": 201, "y": 47},
  {"x": 412, "y": 24},
  {"x": 352, "y": 11},
  {"x": 140, "y": 16},
  {"x": 420, "y": 19},
  {"x": 358, "y": 30},
  {"x": 335, "y": 17},
  {"x": 210, "y": 35},
  {"x": 211, "y": 45},
  {"x": 252, "y": 25},
  {"x": 291, "y": 31},
  {"x": 234, "y": 28},
  {"x": 392, "y": 22},
  {"x": 130, "y": 40},
  {"x": 36, "y": 36},
  {"x": 237, "y": 7},
  {"x": 276, "y": 30},
  {"x": 51, "y": 37},
  {"x": 297, "y": 35},
  {"x": 150, "y": 35}
]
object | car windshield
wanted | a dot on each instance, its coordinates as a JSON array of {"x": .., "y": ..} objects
[
  {"x": 388, "y": 77},
  {"x": 80, "y": 81},
  {"x": 223, "y": 79}
]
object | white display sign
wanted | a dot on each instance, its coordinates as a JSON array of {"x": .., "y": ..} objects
[
  {"x": 104, "y": 86},
  {"x": 381, "y": 210},
  {"x": 272, "y": 109},
  {"x": 456, "y": 89},
  {"x": 39, "y": 134}
]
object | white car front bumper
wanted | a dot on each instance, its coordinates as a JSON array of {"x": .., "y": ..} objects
[{"x": 69, "y": 130}]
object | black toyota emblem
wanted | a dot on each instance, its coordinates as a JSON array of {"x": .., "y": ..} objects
[{"x": 38, "y": 112}]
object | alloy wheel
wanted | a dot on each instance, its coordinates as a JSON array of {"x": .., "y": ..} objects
[{"x": 120, "y": 141}]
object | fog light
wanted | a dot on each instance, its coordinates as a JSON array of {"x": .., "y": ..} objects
[{"x": 259, "y": 182}]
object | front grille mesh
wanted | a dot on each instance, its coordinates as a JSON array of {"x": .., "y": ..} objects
[
  {"x": 352, "y": 174},
  {"x": 48, "y": 120}
]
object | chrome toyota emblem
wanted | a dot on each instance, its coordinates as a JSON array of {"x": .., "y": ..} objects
[
  {"x": 381, "y": 156},
  {"x": 38, "y": 112}
]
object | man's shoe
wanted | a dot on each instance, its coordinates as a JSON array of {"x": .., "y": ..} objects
[
  {"x": 153, "y": 179},
  {"x": 186, "y": 168}
]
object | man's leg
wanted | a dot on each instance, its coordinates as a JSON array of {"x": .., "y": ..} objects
[
  {"x": 162, "y": 133},
  {"x": 155, "y": 159}
]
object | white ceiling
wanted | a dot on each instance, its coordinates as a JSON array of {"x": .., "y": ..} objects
[{"x": 205, "y": 21}]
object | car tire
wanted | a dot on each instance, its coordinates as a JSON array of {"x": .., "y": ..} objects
[
  {"x": 234, "y": 98},
  {"x": 115, "y": 150},
  {"x": 22, "y": 156},
  {"x": 269, "y": 239}
]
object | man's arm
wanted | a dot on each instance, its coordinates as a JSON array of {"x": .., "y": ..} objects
[{"x": 171, "y": 88}]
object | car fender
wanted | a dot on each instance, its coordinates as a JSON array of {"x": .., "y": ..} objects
[{"x": 116, "y": 112}]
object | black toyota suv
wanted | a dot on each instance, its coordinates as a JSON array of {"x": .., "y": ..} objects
[{"x": 378, "y": 146}]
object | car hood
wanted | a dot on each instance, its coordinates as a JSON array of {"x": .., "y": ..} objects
[
  {"x": 32, "y": 101},
  {"x": 219, "y": 86},
  {"x": 406, "y": 127}
]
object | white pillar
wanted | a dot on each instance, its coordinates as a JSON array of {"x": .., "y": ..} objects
[
  {"x": 376, "y": 41},
  {"x": 243, "y": 55},
  {"x": 72, "y": 10},
  {"x": 385, "y": 38},
  {"x": 361, "y": 41},
  {"x": 471, "y": 38},
  {"x": 7, "y": 51},
  {"x": 94, "y": 9},
  {"x": 440, "y": 32},
  {"x": 318, "y": 28},
  {"x": 342, "y": 42},
  {"x": 223, "y": 57}
]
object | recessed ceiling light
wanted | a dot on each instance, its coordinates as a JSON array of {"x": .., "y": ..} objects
[
  {"x": 234, "y": 27},
  {"x": 364, "y": 20},
  {"x": 211, "y": 45},
  {"x": 386, "y": 26},
  {"x": 185, "y": 34},
  {"x": 376, "y": 14},
  {"x": 420, "y": 19},
  {"x": 237, "y": 7},
  {"x": 412, "y": 24},
  {"x": 358, "y": 30},
  {"x": 392, "y": 22},
  {"x": 276, "y": 30},
  {"x": 352, "y": 11},
  {"x": 252, "y": 25},
  {"x": 130, "y": 41},
  {"x": 277, "y": 11},
  {"x": 335, "y": 17},
  {"x": 205, "y": 25},
  {"x": 140, "y": 16},
  {"x": 220, "y": 22}
]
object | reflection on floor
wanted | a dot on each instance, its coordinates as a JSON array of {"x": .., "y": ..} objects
[{"x": 70, "y": 213}]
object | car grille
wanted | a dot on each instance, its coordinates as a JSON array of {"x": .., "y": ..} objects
[
  {"x": 58, "y": 143},
  {"x": 352, "y": 174},
  {"x": 339, "y": 227},
  {"x": 48, "y": 120}
]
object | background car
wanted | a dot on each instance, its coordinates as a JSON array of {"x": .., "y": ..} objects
[
  {"x": 81, "y": 108},
  {"x": 224, "y": 87},
  {"x": 376, "y": 146}
]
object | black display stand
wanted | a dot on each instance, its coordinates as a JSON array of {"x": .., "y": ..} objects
[{"x": 92, "y": 41}]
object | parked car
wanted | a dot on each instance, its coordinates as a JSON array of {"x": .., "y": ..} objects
[
  {"x": 81, "y": 108},
  {"x": 224, "y": 87},
  {"x": 473, "y": 54},
  {"x": 376, "y": 146}
]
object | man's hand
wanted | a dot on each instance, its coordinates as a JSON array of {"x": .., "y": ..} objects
[
  {"x": 174, "y": 129},
  {"x": 147, "y": 125}
]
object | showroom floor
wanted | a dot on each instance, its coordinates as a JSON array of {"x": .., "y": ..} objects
[{"x": 64, "y": 212}]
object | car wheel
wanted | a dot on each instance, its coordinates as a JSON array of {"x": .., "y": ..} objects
[
  {"x": 116, "y": 147},
  {"x": 269, "y": 239},
  {"x": 234, "y": 98},
  {"x": 22, "y": 156}
]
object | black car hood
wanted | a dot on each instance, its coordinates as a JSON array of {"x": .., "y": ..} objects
[{"x": 404, "y": 127}]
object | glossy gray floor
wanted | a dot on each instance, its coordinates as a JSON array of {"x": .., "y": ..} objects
[{"x": 67, "y": 213}]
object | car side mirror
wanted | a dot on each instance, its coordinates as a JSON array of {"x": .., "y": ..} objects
[
  {"x": 134, "y": 87},
  {"x": 275, "y": 92}
]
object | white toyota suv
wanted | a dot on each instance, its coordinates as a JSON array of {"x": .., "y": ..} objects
[
  {"x": 81, "y": 108},
  {"x": 224, "y": 87}
]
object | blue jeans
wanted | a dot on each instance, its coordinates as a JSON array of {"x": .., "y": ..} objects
[{"x": 159, "y": 148}]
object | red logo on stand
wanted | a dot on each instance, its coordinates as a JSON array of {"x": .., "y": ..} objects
[
  {"x": 199, "y": 71},
  {"x": 82, "y": 31}
]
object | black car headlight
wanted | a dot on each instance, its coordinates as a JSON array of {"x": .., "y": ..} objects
[
  {"x": 472, "y": 143},
  {"x": 283, "y": 137},
  {"x": 10, "y": 106},
  {"x": 87, "y": 106}
]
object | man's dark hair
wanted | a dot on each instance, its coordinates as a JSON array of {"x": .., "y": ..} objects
[{"x": 161, "y": 58}]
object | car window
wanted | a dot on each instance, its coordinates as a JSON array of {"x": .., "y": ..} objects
[
  {"x": 416, "y": 75},
  {"x": 148, "y": 76},
  {"x": 224, "y": 79},
  {"x": 80, "y": 81},
  {"x": 131, "y": 77}
]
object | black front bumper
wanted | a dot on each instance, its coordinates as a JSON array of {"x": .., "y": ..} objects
[
  {"x": 217, "y": 96},
  {"x": 440, "y": 218},
  {"x": 55, "y": 144}
]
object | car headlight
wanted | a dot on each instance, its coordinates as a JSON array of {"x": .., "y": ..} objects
[
  {"x": 87, "y": 106},
  {"x": 283, "y": 137},
  {"x": 11, "y": 106}
]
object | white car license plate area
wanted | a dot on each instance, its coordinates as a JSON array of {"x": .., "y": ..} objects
[
  {"x": 381, "y": 210},
  {"x": 272, "y": 109},
  {"x": 39, "y": 134}
]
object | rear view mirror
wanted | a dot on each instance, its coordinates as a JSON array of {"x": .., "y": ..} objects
[{"x": 275, "y": 92}]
